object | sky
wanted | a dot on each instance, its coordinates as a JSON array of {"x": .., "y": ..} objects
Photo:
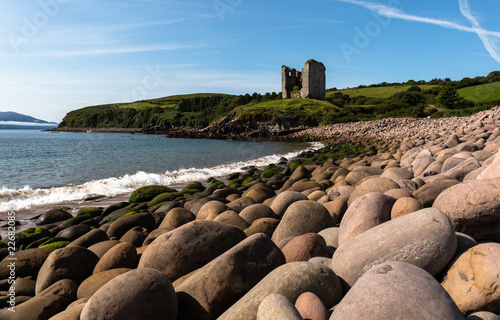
[{"x": 61, "y": 55}]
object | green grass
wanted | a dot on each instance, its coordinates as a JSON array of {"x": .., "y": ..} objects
[
  {"x": 377, "y": 92},
  {"x": 293, "y": 109},
  {"x": 481, "y": 93}
]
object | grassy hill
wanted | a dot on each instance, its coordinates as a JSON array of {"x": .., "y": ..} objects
[
  {"x": 296, "y": 110},
  {"x": 436, "y": 98},
  {"x": 377, "y": 92},
  {"x": 481, "y": 93}
]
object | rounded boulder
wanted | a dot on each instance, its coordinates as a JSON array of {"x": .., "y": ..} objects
[
  {"x": 473, "y": 208},
  {"x": 141, "y": 294},
  {"x": 383, "y": 293},
  {"x": 473, "y": 279},
  {"x": 189, "y": 247},
  {"x": 303, "y": 217},
  {"x": 425, "y": 238}
]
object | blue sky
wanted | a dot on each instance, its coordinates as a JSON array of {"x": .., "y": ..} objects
[{"x": 60, "y": 55}]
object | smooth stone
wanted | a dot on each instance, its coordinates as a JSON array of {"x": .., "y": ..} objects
[
  {"x": 221, "y": 282},
  {"x": 408, "y": 185},
  {"x": 366, "y": 212},
  {"x": 90, "y": 238},
  {"x": 232, "y": 218},
  {"x": 210, "y": 210},
  {"x": 337, "y": 207},
  {"x": 473, "y": 208},
  {"x": 310, "y": 307},
  {"x": 451, "y": 163},
  {"x": 119, "y": 227},
  {"x": 373, "y": 185},
  {"x": 405, "y": 205},
  {"x": 396, "y": 290},
  {"x": 284, "y": 200},
  {"x": 190, "y": 247},
  {"x": 74, "y": 232},
  {"x": 464, "y": 242},
  {"x": 425, "y": 238},
  {"x": 28, "y": 262},
  {"x": 300, "y": 173},
  {"x": 303, "y": 217},
  {"x": 493, "y": 170},
  {"x": 155, "y": 234},
  {"x": 304, "y": 247},
  {"x": 483, "y": 315},
  {"x": 90, "y": 285},
  {"x": 398, "y": 193},
  {"x": 149, "y": 296},
  {"x": 355, "y": 176},
  {"x": 123, "y": 255},
  {"x": 101, "y": 248},
  {"x": 316, "y": 195},
  {"x": 428, "y": 193},
  {"x": 52, "y": 216},
  {"x": 326, "y": 262},
  {"x": 263, "y": 225},
  {"x": 241, "y": 203},
  {"x": 290, "y": 280},
  {"x": 45, "y": 304},
  {"x": 421, "y": 165},
  {"x": 24, "y": 287},
  {"x": 69, "y": 313},
  {"x": 259, "y": 193},
  {"x": 340, "y": 190},
  {"x": 473, "y": 279},
  {"x": 460, "y": 171},
  {"x": 331, "y": 236},
  {"x": 75, "y": 263},
  {"x": 177, "y": 217},
  {"x": 135, "y": 236},
  {"x": 304, "y": 185},
  {"x": 256, "y": 211},
  {"x": 277, "y": 307}
]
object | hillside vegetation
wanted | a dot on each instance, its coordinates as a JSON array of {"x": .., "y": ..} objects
[{"x": 435, "y": 98}]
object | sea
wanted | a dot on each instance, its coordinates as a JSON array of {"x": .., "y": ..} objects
[{"x": 40, "y": 168}]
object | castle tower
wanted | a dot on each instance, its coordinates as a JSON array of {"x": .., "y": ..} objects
[{"x": 310, "y": 83}]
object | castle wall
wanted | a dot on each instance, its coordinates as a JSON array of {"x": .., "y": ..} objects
[{"x": 311, "y": 81}]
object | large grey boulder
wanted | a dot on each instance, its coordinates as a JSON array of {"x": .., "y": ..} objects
[
  {"x": 425, "y": 238},
  {"x": 397, "y": 290}
]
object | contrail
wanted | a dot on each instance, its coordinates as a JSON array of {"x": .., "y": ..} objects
[
  {"x": 391, "y": 12},
  {"x": 466, "y": 12}
]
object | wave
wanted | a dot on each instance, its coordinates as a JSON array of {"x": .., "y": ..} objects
[{"x": 25, "y": 198}]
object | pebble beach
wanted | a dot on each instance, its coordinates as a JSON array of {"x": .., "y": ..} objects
[{"x": 392, "y": 219}]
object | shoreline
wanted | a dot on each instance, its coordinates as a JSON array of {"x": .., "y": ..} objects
[{"x": 27, "y": 216}]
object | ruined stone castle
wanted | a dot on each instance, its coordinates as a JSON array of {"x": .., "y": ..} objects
[{"x": 309, "y": 83}]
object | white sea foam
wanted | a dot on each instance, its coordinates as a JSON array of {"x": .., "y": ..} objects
[{"x": 11, "y": 199}]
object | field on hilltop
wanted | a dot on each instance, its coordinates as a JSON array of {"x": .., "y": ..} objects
[{"x": 377, "y": 92}]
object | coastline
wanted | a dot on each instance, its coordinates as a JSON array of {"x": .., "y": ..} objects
[{"x": 374, "y": 133}]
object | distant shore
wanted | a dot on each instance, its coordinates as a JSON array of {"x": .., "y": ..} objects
[{"x": 121, "y": 130}]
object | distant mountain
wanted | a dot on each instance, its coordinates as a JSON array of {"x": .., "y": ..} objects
[
  {"x": 14, "y": 120},
  {"x": 14, "y": 116}
]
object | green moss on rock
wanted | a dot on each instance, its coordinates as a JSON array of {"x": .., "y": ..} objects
[
  {"x": 37, "y": 243},
  {"x": 248, "y": 180},
  {"x": 93, "y": 211},
  {"x": 56, "y": 245},
  {"x": 30, "y": 235},
  {"x": 3, "y": 245},
  {"x": 147, "y": 193}
]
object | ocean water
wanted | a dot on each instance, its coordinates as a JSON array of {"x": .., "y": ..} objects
[{"x": 41, "y": 168}]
